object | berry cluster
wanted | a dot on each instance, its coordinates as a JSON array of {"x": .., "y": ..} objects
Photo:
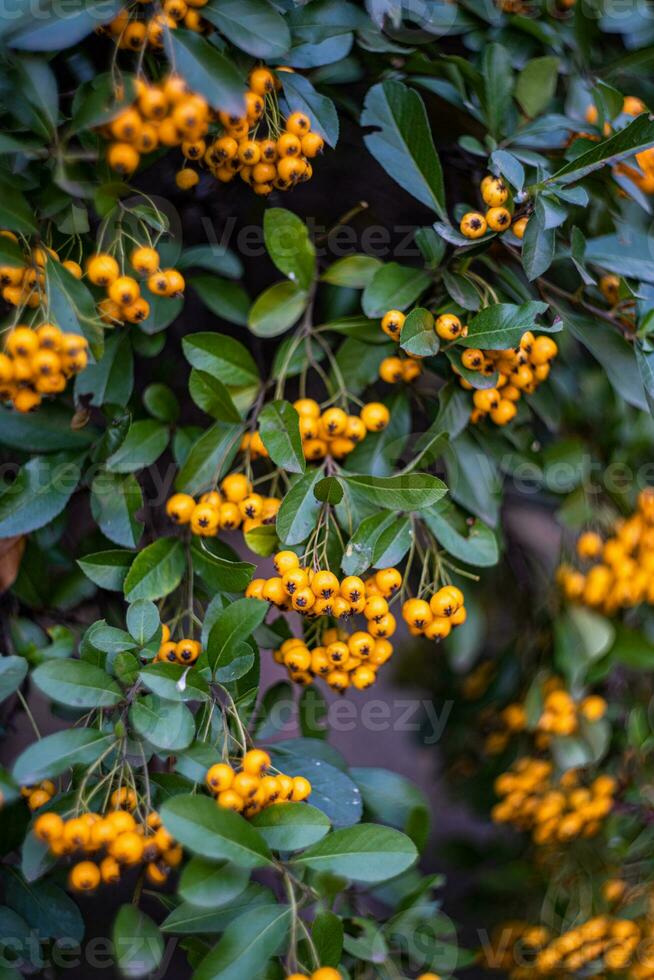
[
  {"x": 123, "y": 302},
  {"x": 234, "y": 505},
  {"x": 166, "y": 114},
  {"x": 23, "y": 284},
  {"x": 38, "y": 796},
  {"x": 116, "y": 839},
  {"x": 642, "y": 175},
  {"x": 38, "y": 362},
  {"x": 553, "y": 812},
  {"x": 518, "y": 372},
  {"x": 327, "y": 433},
  {"x": 254, "y": 787},
  {"x": 322, "y": 973},
  {"x": 617, "y": 572},
  {"x": 184, "y": 652},
  {"x": 602, "y": 945},
  {"x": 136, "y": 26},
  {"x": 319, "y": 592},
  {"x": 265, "y": 150},
  {"x": 343, "y": 660},
  {"x": 561, "y": 714},
  {"x": 396, "y": 369},
  {"x": 495, "y": 194},
  {"x": 435, "y": 618}
]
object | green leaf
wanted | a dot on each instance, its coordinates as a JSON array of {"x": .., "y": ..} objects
[
  {"x": 498, "y": 88},
  {"x": 220, "y": 573},
  {"x": 357, "y": 557},
  {"x": 329, "y": 490},
  {"x": 224, "y": 298},
  {"x": 353, "y": 271},
  {"x": 209, "y": 458},
  {"x": 501, "y": 325},
  {"x": 615, "y": 355},
  {"x": 211, "y": 884},
  {"x": 222, "y": 357},
  {"x": 142, "y": 619},
  {"x": 252, "y": 25},
  {"x": 366, "y": 852},
  {"x": 212, "y": 396},
  {"x": 161, "y": 402},
  {"x": 115, "y": 501},
  {"x": 277, "y": 309},
  {"x": 107, "y": 569},
  {"x": 291, "y": 826},
  {"x": 234, "y": 623},
  {"x": 296, "y": 517},
  {"x": 111, "y": 379},
  {"x": 138, "y": 944},
  {"x": 389, "y": 797},
  {"x": 418, "y": 334},
  {"x": 412, "y": 491},
  {"x": 393, "y": 287},
  {"x": 96, "y": 102},
  {"x": 15, "y": 213},
  {"x": 167, "y": 725},
  {"x": 39, "y": 493},
  {"x": 156, "y": 571},
  {"x": 53, "y": 754},
  {"x": 279, "y": 428},
  {"x": 174, "y": 682},
  {"x": 12, "y": 674},
  {"x": 302, "y": 97},
  {"x": 634, "y": 138},
  {"x": 538, "y": 247},
  {"x": 214, "y": 258},
  {"x": 214, "y": 833},
  {"x": 77, "y": 683},
  {"x": 46, "y": 908},
  {"x": 289, "y": 245},
  {"x": 536, "y": 84},
  {"x": 143, "y": 445},
  {"x": 327, "y": 937},
  {"x": 71, "y": 304},
  {"x": 403, "y": 143},
  {"x": 207, "y": 70},
  {"x": 44, "y": 431},
  {"x": 470, "y": 541},
  {"x": 190, "y": 919},
  {"x": 247, "y": 944},
  {"x": 60, "y": 26}
]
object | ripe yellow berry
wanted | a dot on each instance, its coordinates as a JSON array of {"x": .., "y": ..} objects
[
  {"x": 255, "y": 762},
  {"x": 448, "y": 326},
  {"x": 375, "y": 416},
  {"x": 519, "y": 227},
  {"x": 84, "y": 877},
  {"x": 494, "y": 191},
  {"x": 180, "y": 508},
  {"x": 473, "y": 225},
  {"x": 392, "y": 323},
  {"x": 498, "y": 219},
  {"x": 219, "y": 777}
]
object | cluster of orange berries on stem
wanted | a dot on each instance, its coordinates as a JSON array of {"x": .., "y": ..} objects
[
  {"x": 552, "y": 812},
  {"x": 435, "y": 618},
  {"x": 184, "y": 652},
  {"x": 617, "y": 572},
  {"x": 318, "y": 592},
  {"x": 38, "y": 362},
  {"x": 234, "y": 505},
  {"x": 519, "y": 372},
  {"x": 603, "y": 943},
  {"x": 166, "y": 114},
  {"x": 495, "y": 195},
  {"x": 266, "y": 151},
  {"x": 37, "y": 796},
  {"x": 23, "y": 284},
  {"x": 124, "y": 302},
  {"x": 254, "y": 786},
  {"x": 332, "y": 432},
  {"x": 132, "y": 33},
  {"x": 112, "y": 841},
  {"x": 343, "y": 660}
]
